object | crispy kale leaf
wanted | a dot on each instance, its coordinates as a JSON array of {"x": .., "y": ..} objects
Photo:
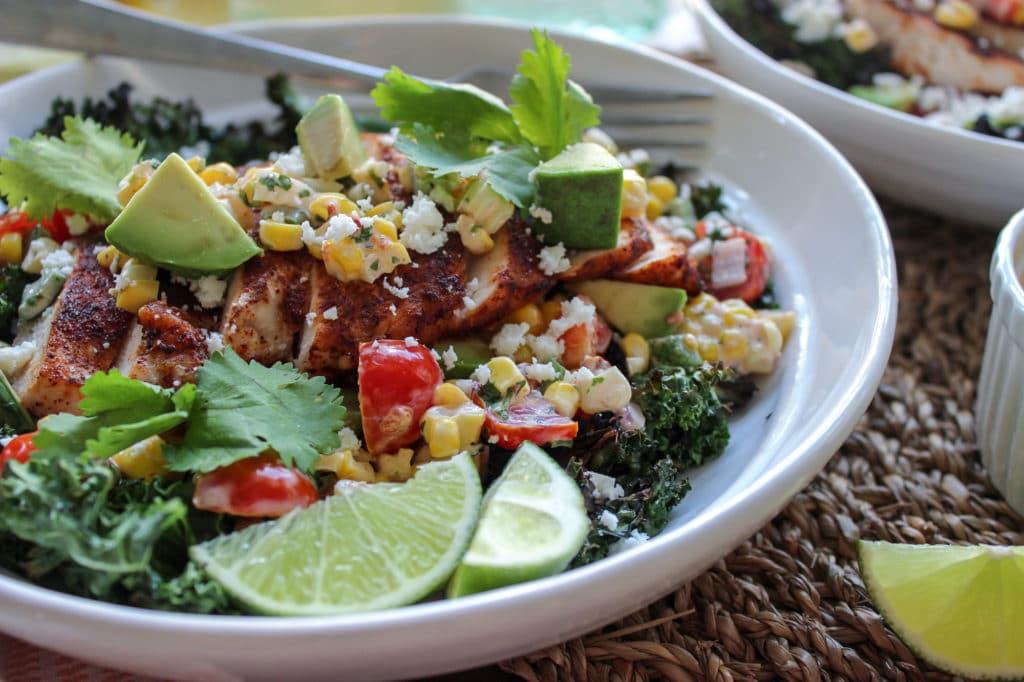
[
  {"x": 707, "y": 198},
  {"x": 12, "y": 283}
]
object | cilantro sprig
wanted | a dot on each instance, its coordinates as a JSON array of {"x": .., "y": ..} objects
[
  {"x": 78, "y": 171},
  {"x": 460, "y": 129}
]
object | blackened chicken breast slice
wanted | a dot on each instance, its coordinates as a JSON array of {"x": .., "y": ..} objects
[
  {"x": 164, "y": 347},
  {"x": 634, "y": 241},
  {"x": 667, "y": 264},
  {"x": 83, "y": 335}
]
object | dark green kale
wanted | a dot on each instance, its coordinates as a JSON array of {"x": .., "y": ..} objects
[
  {"x": 166, "y": 126},
  {"x": 73, "y": 525},
  {"x": 760, "y": 23},
  {"x": 767, "y": 300},
  {"x": 12, "y": 283},
  {"x": 734, "y": 390},
  {"x": 707, "y": 198}
]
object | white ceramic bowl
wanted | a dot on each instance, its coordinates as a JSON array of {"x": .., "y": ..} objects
[
  {"x": 1000, "y": 407},
  {"x": 834, "y": 267},
  {"x": 951, "y": 172}
]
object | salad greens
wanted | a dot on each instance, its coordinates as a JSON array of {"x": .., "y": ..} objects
[{"x": 12, "y": 283}]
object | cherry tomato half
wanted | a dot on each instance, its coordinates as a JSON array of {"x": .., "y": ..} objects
[
  {"x": 255, "y": 487},
  {"x": 530, "y": 419},
  {"x": 757, "y": 269},
  {"x": 18, "y": 221},
  {"x": 396, "y": 386},
  {"x": 18, "y": 449}
]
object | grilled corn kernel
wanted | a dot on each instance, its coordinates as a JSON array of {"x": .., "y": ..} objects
[
  {"x": 280, "y": 236},
  {"x": 662, "y": 187},
  {"x": 449, "y": 395},
  {"x": 506, "y": 376},
  {"x": 107, "y": 256},
  {"x": 442, "y": 435},
  {"x": 343, "y": 259},
  {"x": 345, "y": 466},
  {"x": 708, "y": 349},
  {"x": 134, "y": 271},
  {"x": 11, "y": 245},
  {"x": 859, "y": 36},
  {"x": 138, "y": 294},
  {"x": 638, "y": 353},
  {"x": 219, "y": 174},
  {"x": 386, "y": 228},
  {"x": 655, "y": 207},
  {"x": 474, "y": 237},
  {"x": 382, "y": 209},
  {"x": 733, "y": 346},
  {"x": 531, "y": 315},
  {"x": 197, "y": 164},
  {"x": 733, "y": 333},
  {"x": 143, "y": 460},
  {"x": 634, "y": 194},
  {"x": 133, "y": 182},
  {"x": 551, "y": 310},
  {"x": 468, "y": 419},
  {"x": 523, "y": 354},
  {"x": 784, "y": 320},
  {"x": 957, "y": 14},
  {"x": 608, "y": 391},
  {"x": 397, "y": 467},
  {"x": 564, "y": 397},
  {"x": 326, "y": 205}
]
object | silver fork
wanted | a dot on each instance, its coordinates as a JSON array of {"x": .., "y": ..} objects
[{"x": 102, "y": 27}]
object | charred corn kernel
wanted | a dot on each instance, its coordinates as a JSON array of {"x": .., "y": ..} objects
[
  {"x": 386, "y": 228},
  {"x": 733, "y": 346},
  {"x": 107, "y": 256},
  {"x": 219, "y": 174},
  {"x": 137, "y": 294},
  {"x": 506, "y": 376},
  {"x": 551, "y": 310},
  {"x": 397, "y": 467},
  {"x": 326, "y": 205},
  {"x": 382, "y": 209},
  {"x": 662, "y": 187},
  {"x": 134, "y": 271},
  {"x": 655, "y": 207},
  {"x": 859, "y": 36},
  {"x": 129, "y": 186},
  {"x": 474, "y": 237},
  {"x": 608, "y": 391},
  {"x": 702, "y": 303},
  {"x": 143, "y": 460},
  {"x": 564, "y": 396},
  {"x": 634, "y": 194},
  {"x": 783, "y": 319},
  {"x": 280, "y": 236},
  {"x": 523, "y": 354},
  {"x": 442, "y": 435},
  {"x": 11, "y": 246},
  {"x": 708, "y": 349},
  {"x": 531, "y": 315},
  {"x": 733, "y": 333},
  {"x": 405, "y": 176},
  {"x": 343, "y": 259},
  {"x": 958, "y": 14},
  {"x": 197, "y": 164},
  {"x": 690, "y": 341},
  {"x": 736, "y": 313},
  {"x": 345, "y": 466},
  {"x": 638, "y": 353},
  {"x": 470, "y": 419},
  {"x": 449, "y": 395}
]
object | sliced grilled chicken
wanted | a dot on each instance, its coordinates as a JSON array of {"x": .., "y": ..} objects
[
  {"x": 503, "y": 279},
  {"x": 416, "y": 300},
  {"x": 266, "y": 306},
  {"x": 667, "y": 264},
  {"x": 83, "y": 335},
  {"x": 942, "y": 56},
  {"x": 634, "y": 241},
  {"x": 1009, "y": 39},
  {"x": 163, "y": 347}
]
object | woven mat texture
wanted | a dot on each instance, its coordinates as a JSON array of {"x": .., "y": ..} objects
[{"x": 789, "y": 603}]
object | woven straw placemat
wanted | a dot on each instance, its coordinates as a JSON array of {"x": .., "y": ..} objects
[{"x": 789, "y": 603}]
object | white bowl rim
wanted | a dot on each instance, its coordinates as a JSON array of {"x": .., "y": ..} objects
[{"x": 774, "y": 485}]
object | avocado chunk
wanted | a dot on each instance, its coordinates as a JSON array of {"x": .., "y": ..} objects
[
  {"x": 470, "y": 354},
  {"x": 329, "y": 138},
  {"x": 485, "y": 206},
  {"x": 175, "y": 222},
  {"x": 641, "y": 308},
  {"x": 900, "y": 98},
  {"x": 582, "y": 189}
]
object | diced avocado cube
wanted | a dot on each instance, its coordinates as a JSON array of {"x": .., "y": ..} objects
[
  {"x": 487, "y": 208},
  {"x": 899, "y": 98},
  {"x": 642, "y": 308},
  {"x": 329, "y": 138},
  {"x": 176, "y": 222},
  {"x": 582, "y": 189}
]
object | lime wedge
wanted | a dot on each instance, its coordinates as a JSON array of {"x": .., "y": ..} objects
[
  {"x": 532, "y": 524},
  {"x": 956, "y": 607},
  {"x": 374, "y": 547}
]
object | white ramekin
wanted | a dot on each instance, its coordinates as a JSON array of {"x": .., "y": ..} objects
[{"x": 1000, "y": 407}]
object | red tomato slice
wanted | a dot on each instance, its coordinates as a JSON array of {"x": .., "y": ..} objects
[
  {"x": 530, "y": 419},
  {"x": 18, "y": 221},
  {"x": 396, "y": 386},
  {"x": 18, "y": 450},
  {"x": 255, "y": 487},
  {"x": 757, "y": 269}
]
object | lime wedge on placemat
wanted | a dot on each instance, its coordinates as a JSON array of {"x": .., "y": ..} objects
[
  {"x": 959, "y": 608},
  {"x": 532, "y": 524},
  {"x": 374, "y": 547}
]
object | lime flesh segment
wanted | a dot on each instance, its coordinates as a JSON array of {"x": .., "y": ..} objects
[
  {"x": 374, "y": 547},
  {"x": 957, "y": 607},
  {"x": 532, "y": 524}
]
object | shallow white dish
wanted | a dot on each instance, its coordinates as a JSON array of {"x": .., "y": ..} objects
[
  {"x": 947, "y": 171},
  {"x": 835, "y": 268}
]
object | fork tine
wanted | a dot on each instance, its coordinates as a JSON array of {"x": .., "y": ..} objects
[
  {"x": 606, "y": 93},
  {"x": 629, "y": 119},
  {"x": 630, "y": 142}
]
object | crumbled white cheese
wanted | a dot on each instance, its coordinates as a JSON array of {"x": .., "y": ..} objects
[
  {"x": 77, "y": 224},
  {"x": 473, "y": 284},
  {"x": 605, "y": 487},
  {"x": 677, "y": 227},
  {"x": 310, "y": 317},
  {"x": 14, "y": 358},
  {"x": 59, "y": 263},
  {"x": 481, "y": 374},
  {"x": 397, "y": 291},
  {"x": 365, "y": 204},
  {"x": 214, "y": 342},
  {"x": 291, "y": 162},
  {"x": 552, "y": 260},
  {"x": 208, "y": 290},
  {"x": 541, "y": 214},
  {"x": 540, "y": 372},
  {"x": 449, "y": 357},
  {"x": 634, "y": 539},
  {"x": 5, "y": 440},
  {"x": 509, "y": 338},
  {"x": 277, "y": 216},
  {"x": 423, "y": 226},
  {"x": 634, "y": 158},
  {"x": 331, "y": 313},
  {"x": 815, "y": 20},
  {"x": 348, "y": 439},
  {"x": 574, "y": 311},
  {"x": 393, "y": 309},
  {"x": 545, "y": 346},
  {"x": 468, "y": 302},
  {"x": 411, "y": 342},
  {"x": 608, "y": 520},
  {"x": 273, "y": 186}
]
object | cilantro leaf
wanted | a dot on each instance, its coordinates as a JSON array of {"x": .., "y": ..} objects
[
  {"x": 551, "y": 111},
  {"x": 243, "y": 409},
  {"x": 79, "y": 171},
  {"x": 458, "y": 109},
  {"x": 506, "y": 171}
]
